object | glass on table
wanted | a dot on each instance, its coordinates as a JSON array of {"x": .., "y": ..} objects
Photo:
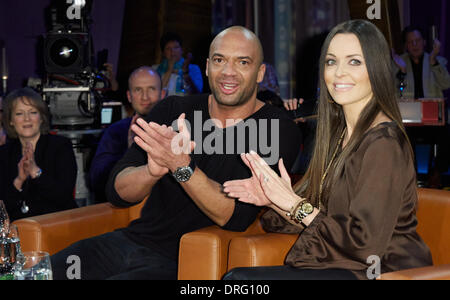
[{"x": 35, "y": 265}]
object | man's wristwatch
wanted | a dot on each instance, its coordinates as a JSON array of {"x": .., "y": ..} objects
[
  {"x": 183, "y": 174},
  {"x": 303, "y": 210}
]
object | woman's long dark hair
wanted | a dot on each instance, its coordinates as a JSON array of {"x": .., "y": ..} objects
[{"x": 331, "y": 120}]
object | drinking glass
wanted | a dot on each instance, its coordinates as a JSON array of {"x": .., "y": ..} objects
[
  {"x": 35, "y": 266},
  {"x": 13, "y": 240}
]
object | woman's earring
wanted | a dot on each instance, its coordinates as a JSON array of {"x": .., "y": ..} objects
[{"x": 330, "y": 100}]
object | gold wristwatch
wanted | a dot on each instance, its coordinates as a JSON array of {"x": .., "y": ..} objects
[{"x": 303, "y": 210}]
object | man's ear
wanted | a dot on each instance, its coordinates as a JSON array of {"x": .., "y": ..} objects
[
  {"x": 129, "y": 96},
  {"x": 163, "y": 94},
  {"x": 207, "y": 67},
  {"x": 261, "y": 73}
]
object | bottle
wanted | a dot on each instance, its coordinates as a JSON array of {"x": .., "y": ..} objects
[
  {"x": 4, "y": 221},
  {"x": 10, "y": 251},
  {"x": 5, "y": 265}
]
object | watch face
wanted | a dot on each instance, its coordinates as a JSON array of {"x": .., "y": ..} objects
[
  {"x": 183, "y": 174},
  {"x": 307, "y": 208}
]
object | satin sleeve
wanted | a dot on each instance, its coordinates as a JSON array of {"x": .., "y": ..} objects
[{"x": 347, "y": 239}]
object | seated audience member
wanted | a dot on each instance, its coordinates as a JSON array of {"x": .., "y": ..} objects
[
  {"x": 358, "y": 199},
  {"x": 144, "y": 91},
  {"x": 185, "y": 190},
  {"x": 2, "y": 131},
  {"x": 425, "y": 76},
  {"x": 178, "y": 75},
  {"x": 38, "y": 171},
  {"x": 109, "y": 73}
]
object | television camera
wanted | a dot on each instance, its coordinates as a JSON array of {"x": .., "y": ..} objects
[{"x": 73, "y": 87}]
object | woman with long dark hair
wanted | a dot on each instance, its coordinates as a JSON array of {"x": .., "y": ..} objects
[{"x": 358, "y": 198}]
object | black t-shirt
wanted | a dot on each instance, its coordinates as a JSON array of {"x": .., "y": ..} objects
[
  {"x": 169, "y": 212},
  {"x": 418, "y": 78}
]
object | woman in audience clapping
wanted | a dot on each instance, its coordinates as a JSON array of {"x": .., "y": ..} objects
[{"x": 37, "y": 170}]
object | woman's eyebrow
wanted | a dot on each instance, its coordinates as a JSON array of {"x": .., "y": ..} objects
[{"x": 348, "y": 56}]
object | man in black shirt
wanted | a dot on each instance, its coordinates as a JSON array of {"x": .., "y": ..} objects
[{"x": 185, "y": 149}]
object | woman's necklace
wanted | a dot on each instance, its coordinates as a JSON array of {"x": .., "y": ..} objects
[{"x": 329, "y": 166}]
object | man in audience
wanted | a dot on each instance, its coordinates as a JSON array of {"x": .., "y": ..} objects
[
  {"x": 179, "y": 76},
  {"x": 144, "y": 91},
  {"x": 185, "y": 185},
  {"x": 424, "y": 75}
]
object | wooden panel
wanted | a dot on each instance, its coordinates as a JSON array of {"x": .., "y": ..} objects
[
  {"x": 145, "y": 22},
  {"x": 140, "y": 36},
  {"x": 192, "y": 20}
]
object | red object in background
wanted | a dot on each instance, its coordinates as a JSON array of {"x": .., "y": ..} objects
[{"x": 430, "y": 112}]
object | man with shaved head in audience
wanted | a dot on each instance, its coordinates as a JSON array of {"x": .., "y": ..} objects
[{"x": 144, "y": 91}]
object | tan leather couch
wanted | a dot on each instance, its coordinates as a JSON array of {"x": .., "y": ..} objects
[
  {"x": 203, "y": 253},
  {"x": 56, "y": 231},
  {"x": 207, "y": 254},
  {"x": 434, "y": 227}
]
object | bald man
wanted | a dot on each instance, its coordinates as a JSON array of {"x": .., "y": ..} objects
[
  {"x": 185, "y": 187},
  {"x": 144, "y": 91}
]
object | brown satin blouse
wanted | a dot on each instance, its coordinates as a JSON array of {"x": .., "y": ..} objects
[{"x": 371, "y": 211}]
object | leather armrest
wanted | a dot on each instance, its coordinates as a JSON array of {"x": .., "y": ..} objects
[
  {"x": 56, "y": 231},
  {"x": 260, "y": 250},
  {"x": 441, "y": 272},
  {"x": 204, "y": 253}
]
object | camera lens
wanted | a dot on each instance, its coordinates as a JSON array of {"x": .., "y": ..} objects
[{"x": 64, "y": 52}]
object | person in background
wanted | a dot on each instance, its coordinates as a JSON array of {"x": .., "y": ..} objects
[
  {"x": 2, "y": 130},
  {"x": 425, "y": 75},
  {"x": 38, "y": 171},
  {"x": 179, "y": 76},
  {"x": 358, "y": 198},
  {"x": 144, "y": 91},
  {"x": 109, "y": 73}
]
